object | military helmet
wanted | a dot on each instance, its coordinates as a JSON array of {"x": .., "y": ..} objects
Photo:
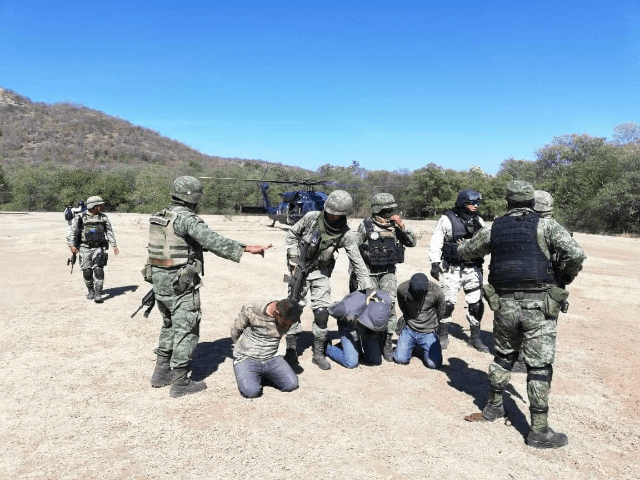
[
  {"x": 468, "y": 196},
  {"x": 544, "y": 201},
  {"x": 187, "y": 189},
  {"x": 381, "y": 201},
  {"x": 338, "y": 202},
  {"x": 94, "y": 201},
  {"x": 519, "y": 191},
  {"x": 81, "y": 203}
]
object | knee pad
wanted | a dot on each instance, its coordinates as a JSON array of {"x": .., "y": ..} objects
[
  {"x": 99, "y": 273},
  {"x": 448, "y": 309},
  {"x": 321, "y": 317},
  {"x": 477, "y": 309},
  {"x": 506, "y": 361},
  {"x": 87, "y": 274},
  {"x": 540, "y": 374}
]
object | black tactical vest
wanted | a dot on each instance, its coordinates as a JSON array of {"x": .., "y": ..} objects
[
  {"x": 460, "y": 230},
  {"x": 517, "y": 261},
  {"x": 382, "y": 249}
]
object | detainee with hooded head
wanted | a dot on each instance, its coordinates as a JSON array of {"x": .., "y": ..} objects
[{"x": 256, "y": 335}]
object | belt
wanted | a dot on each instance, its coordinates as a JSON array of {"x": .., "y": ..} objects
[{"x": 524, "y": 295}]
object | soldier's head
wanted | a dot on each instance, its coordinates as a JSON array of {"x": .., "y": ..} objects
[
  {"x": 187, "y": 190},
  {"x": 383, "y": 205},
  {"x": 469, "y": 199},
  {"x": 95, "y": 204},
  {"x": 543, "y": 203},
  {"x": 418, "y": 286},
  {"x": 519, "y": 194},
  {"x": 81, "y": 204},
  {"x": 287, "y": 312},
  {"x": 336, "y": 208}
]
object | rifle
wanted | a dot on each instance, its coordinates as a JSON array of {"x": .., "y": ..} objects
[
  {"x": 301, "y": 271},
  {"x": 558, "y": 266},
  {"x": 149, "y": 300},
  {"x": 72, "y": 261}
]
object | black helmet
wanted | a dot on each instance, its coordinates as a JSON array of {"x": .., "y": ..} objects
[
  {"x": 468, "y": 196},
  {"x": 81, "y": 203}
]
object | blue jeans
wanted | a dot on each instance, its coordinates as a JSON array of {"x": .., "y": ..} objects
[
  {"x": 410, "y": 339},
  {"x": 250, "y": 374},
  {"x": 349, "y": 355}
]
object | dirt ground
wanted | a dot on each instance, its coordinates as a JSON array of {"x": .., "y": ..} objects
[{"x": 77, "y": 402}]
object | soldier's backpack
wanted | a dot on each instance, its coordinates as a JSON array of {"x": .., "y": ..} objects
[{"x": 68, "y": 214}]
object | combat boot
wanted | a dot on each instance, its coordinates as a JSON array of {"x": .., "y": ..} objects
[
  {"x": 387, "y": 350},
  {"x": 492, "y": 412},
  {"x": 182, "y": 385},
  {"x": 443, "y": 335},
  {"x": 162, "y": 374},
  {"x": 474, "y": 340},
  {"x": 318, "y": 354},
  {"x": 546, "y": 438},
  {"x": 98, "y": 297},
  {"x": 92, "y": 294},
  {"x": 291, "y": 355}
]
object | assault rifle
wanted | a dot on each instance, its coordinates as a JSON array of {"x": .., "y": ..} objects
[
  {"x": 72, "y": 261},
  {"x": 149, "y": 300},
  {"x": 299, "y": 275}
]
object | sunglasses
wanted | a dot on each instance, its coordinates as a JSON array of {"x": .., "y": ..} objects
[{"x": 475, "y": 202}]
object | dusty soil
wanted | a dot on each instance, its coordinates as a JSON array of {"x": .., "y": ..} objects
[{"x": 77, "y": 403}]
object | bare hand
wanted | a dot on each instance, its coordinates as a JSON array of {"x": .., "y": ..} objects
[
  {"x": 73, "y": 249},
  {"x": 398, "y": 221},
  {"x": 257, "y": 249},
  {"x": 116, "y": 251}
]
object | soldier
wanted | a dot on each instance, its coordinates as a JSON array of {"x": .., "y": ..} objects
[
  {"x": 523, "y": 292},
  {"x": 256, "y": 334},
  {"x": 71, "y": 212},
  {"x": 331, "y": 225},
  {"x": 543, "y": 203},
  {"x": 457, "y": 224},
  {"x": 177, "y": 237},
  {"x": 422, "y": 305},
  {"x": 382, "y": 239},
  {"x": 90, "y": 234}
]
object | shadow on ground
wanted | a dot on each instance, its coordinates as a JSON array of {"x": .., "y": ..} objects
[{"x": 209, "y": 356}]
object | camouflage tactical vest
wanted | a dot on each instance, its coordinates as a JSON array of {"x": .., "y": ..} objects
[
  {"x": 166, "y": 249},
  {"x": 382, "y": 249},
  {"x": 94, "y": 230}
]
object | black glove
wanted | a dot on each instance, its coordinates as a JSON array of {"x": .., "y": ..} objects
[{"x": 436, "y": 270}]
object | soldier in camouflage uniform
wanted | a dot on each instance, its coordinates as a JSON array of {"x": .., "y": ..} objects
[
  {"x": 90, "y": 234},
  {"x": 177, "y": 237},
  {"x": 523, "y": 292},
  {"x": 382, "y": 239},
  {"x": 543, "y": 203},
  {"x": 457, "y": 224},
  {"x": 331, "y": 223}
]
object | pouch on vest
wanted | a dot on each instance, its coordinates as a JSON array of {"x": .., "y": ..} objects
[
  {"x": 146, "y": 273},
  {"x": 492, "y": 298},
  {"x": 101, "y": 259},
  {"x": 554, "y": 300}
]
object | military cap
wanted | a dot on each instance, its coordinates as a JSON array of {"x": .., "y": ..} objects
[
  {"x": 94, "y": 201},
  {"x": 544, "y": 201},
  {"x": 519, "y": 191}
]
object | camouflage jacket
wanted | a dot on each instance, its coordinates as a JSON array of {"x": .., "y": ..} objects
[
  {"x": 191, "y": 226},
  {"x": 552, "y": 237},
  {"x": 73, "y": 232},
  {"x": 347, "y": 241},
  {"x": 255, "y": 334}
]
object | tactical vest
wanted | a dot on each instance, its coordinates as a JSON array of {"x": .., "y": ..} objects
[
  {"x": 460, "y": 230},
  {"x": 94, "y": 230},
  {"x": 517, "y": 261},
  {"x": 382, "y": 249},
  {"x": 166, "y": 249}
]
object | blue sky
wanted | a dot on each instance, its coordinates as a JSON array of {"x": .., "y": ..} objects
[{"x": 389, "y": 84}]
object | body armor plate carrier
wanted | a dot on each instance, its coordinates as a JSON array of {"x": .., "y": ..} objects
[
  {"x": 166, "y": 249},
  {"x": 460, "y": 230},
  {"x": 517, "y": 262},
  {"x": 382, "y": 249},
  {"x": 94, "y": 231}
]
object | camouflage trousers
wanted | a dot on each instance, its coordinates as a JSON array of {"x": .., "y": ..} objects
[
  {"x": 90, "y": 259},
  {"x": 388, "y": 283},
  {"x": 522, "y": 326},
  {"x": 469, "y": 279},
  {"x": 318, "y": 286},
  {"x": 180, "y": 327}
]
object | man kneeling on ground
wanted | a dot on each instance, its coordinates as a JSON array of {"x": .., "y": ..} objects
[
  {"x": 256, "y": 334},
  {"x": 422, "y": 305},
  {"x": 360, "y": 318}
]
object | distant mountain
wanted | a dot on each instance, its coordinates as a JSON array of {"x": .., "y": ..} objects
[{"x": 74, "y": 135}]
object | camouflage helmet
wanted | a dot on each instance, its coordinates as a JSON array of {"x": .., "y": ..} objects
[
  {"x": 94, "y": 202},
  {"x": 338, "y": 202},
  {"x": 519, "y": 191},
  {"x": 544, "y": 201},
  {"x": 187, "y": 189},
  {"x": 380, "y": 201},
  {"x": 467, "y": 196}
]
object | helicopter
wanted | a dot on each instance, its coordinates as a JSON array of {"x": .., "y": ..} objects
[{"x": 294, "y": 205}]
